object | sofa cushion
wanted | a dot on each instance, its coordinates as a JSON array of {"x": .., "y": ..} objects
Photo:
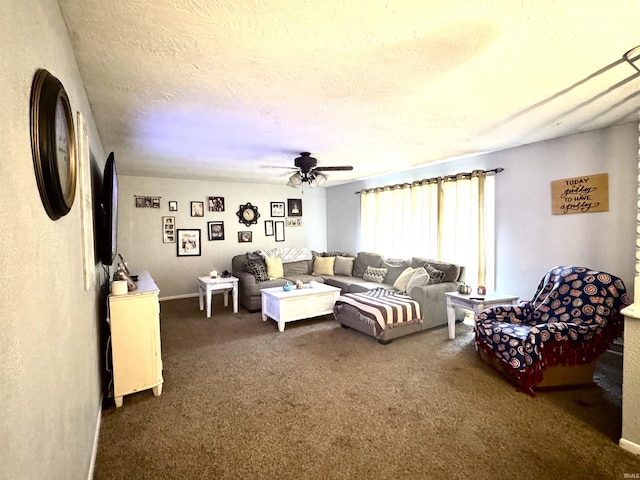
[
  {"x": 372, "y": 274},
  {"x": 337, "y": 254},
  {"x": 257, "y": 269},
  {"x": 254, "y": 257},
  {"x": 343, "y": 266},
  {"x": 435, "y": 275},
  {"x": 451, "y": 270},
  {"x": 343, "y": 282},
  {"x": 304, "y": 278},
  {"x": 417, "y": 262},
  {"x": 394, "y": 268},
  {"x": 323, "y": 265},
  {"x": 363, "y": 286},
  {"x": 274, "y": 267},
  {"x": 300, "y": 267},
  {"x": 419, "y": 278},
  {"x": 364, "y": 260},
  {"x": 255, "y": 289},
  {"x": 403, "y": 279}
]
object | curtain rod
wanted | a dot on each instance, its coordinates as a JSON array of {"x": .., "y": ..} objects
[{"x": 444, "y": 178}]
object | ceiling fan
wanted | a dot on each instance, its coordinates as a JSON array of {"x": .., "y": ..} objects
[{"x": 308, "y": 171}]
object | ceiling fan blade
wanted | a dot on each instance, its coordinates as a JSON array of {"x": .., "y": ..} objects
[{"x": 332, "y": 169}]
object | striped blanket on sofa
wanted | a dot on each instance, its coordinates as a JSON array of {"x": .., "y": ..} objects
[{"x": 384, "y": 308}]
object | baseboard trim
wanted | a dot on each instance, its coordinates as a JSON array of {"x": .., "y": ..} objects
[
  {"x": 629, "y": 446},
  {"x": 177, "y": 297},
  {"x": 96, "y": 438}
]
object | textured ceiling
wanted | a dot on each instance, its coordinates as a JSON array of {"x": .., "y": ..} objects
[{"x": 228, "y": 90}]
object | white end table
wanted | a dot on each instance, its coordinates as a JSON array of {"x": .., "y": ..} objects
[
  {"x": 476, "y": 303},
  {"x": 209, "y": 286}
]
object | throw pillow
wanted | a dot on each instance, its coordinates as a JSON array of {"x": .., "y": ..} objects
[
  {"x": 435, "y": 275},
  {"x": 257, "y": 269},
  {"x": 274, "y": 267},
  {"x": 364, "y": 260},
  {"x": 343, "y": 266},
  {"x": 372, "y": 274},
  {"x": 395, "y": 267},
  {"x": 323, "y": 265},
  {"x": 420, "y": 277},
  {"x": 403, "y": 279},
  {"x": 451, "y": 271}
]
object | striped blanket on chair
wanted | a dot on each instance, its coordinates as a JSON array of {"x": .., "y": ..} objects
[{"x": 385, "y": 308}]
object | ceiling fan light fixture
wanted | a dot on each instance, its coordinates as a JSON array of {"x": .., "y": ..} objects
[
  {"x": 320, "y": 180},
  {"x": 310, "y": 173},
  {"x": 295, "y": 180}
]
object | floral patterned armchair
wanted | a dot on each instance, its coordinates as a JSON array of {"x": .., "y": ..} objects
[{"x": 572, "y": 319}]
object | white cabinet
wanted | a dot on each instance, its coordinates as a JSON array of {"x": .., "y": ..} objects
[{"x": 135, "y": 339}]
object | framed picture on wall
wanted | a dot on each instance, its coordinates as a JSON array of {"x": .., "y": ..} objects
[
  {"x": 168, "y": 229},
  {"x": 294, "y": 207},
  {"x": 216, "y": 230},
  {"x": 268, "y": 228},
  {"x": 86, "y": 202},
  {"x": 173, "y": 206},
  {"x": 245, "y": 236},
  {"x": 197, "y": 209},
  {"x": 188, "y": 244},
  {"x": 216, "y": 204},
  {"x": 279, "y": 230},
  {"x": 277, "y": 209}
]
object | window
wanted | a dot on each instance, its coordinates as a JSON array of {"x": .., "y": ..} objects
[{"x": 446, "y": 218}]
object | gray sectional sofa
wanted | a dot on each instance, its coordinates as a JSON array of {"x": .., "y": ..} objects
[{"x": 431, "y": 297}]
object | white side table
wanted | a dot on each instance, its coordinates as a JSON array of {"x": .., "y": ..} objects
[
  {"x": 476, "y": 303},
  {"x": 208, "y": 286}
]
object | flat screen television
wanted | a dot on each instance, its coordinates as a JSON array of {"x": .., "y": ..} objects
[{"x": 109, "y": 235}]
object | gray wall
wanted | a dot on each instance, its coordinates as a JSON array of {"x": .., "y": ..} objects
[
  {"x": 49, "y": 372},
  {"x": 140, "y": 229},
  {"x": 529, "y": 239}
]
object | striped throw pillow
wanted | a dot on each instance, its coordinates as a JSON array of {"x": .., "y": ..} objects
[
  {"x": 435, "y": 275},
  {"x": 372, "y": 274}
]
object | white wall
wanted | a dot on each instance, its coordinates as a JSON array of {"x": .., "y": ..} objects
[
  {"x": 529, "y": 239},
  {"x": 140, "y": 229},
  {"x": 49, "y": 354},
  {"x": 631, "y": 368}
]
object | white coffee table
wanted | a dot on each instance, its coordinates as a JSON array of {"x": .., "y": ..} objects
[
  {"x": 298, "y": 304},
  {"x": 208, "y": 286},
  {"x": 476, "y": 303}
]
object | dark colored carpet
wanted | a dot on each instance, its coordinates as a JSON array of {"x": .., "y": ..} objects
[{"x": 243, "y": 401}]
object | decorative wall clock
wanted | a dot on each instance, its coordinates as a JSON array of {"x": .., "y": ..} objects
[
  {"x": 248, "y": 214},
  {"x": 53, "y": 144}
]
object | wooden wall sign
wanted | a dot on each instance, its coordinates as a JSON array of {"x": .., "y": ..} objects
[{"x": 580, "y": 194}]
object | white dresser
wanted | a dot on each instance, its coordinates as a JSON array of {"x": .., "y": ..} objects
[{"x": 135, "y": 339}]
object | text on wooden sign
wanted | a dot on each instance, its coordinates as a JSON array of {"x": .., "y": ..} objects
[{"x": 580, "y": 194}]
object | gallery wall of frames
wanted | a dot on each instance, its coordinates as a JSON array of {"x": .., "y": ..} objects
[
  {"x": 188, "y": 241},
  {"x": 179, "y": 229}
]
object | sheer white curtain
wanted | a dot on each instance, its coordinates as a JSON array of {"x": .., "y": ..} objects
[
  {"x": 422, "y": 240},
  {"x": 467, "y": 226},
  {"x": 384, "y": 215},
  {"x": 446, "y": 218}
]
